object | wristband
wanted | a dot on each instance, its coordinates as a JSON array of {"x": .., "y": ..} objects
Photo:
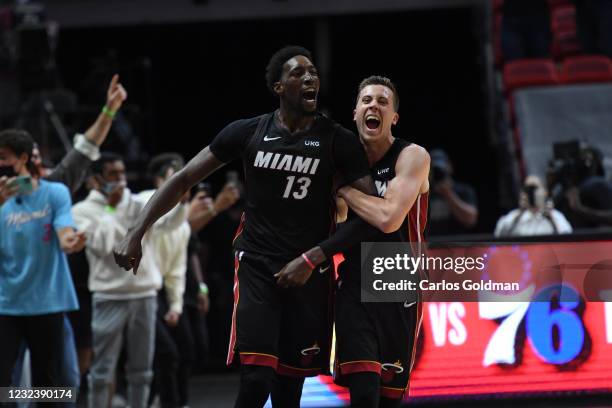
[
  {"x": 204, "y": 288},
  {"x": 110, "y": 209},
  {"x": 308, "y": 261},
  {"x": 111, "y": 114}
]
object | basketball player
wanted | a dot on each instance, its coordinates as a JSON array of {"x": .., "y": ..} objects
[
  {"x": 290, "y": 157},
  {"x": 375, "y": 342}
]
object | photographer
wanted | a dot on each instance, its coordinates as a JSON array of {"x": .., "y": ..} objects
[
  {"x": 453, "y": 206},
  {"x": 580, "y": 189},
  {"x": 535, "y": 216}
]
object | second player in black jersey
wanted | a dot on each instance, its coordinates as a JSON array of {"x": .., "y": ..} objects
[
  {"x": 290, "y": 158},
  {"x": 375, "y": 341}
]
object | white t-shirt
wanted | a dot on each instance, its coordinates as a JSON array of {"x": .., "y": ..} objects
[{"x": 532, "y": 223}]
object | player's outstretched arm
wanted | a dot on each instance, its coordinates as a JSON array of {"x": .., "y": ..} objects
[
  {"x": 129, "y": 251},
  {"x": 388, "y": 213}
]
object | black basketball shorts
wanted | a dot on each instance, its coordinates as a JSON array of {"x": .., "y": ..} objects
[
  {"x": 289, "y": 330},
  {"x": 375, "y": 337}
]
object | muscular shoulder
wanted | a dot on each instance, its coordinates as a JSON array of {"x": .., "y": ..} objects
[
  {"x": 413, "y": 162},
  {"x": 413, "y": 155}
]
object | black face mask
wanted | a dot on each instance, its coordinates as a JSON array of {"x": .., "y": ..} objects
[{"x": 8, "y": 171}]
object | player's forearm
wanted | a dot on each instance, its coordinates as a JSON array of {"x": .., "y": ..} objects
[
  {"x": 98, "y": 131},
  {"x": 164, "y": 199},
  {"x": 353, "y": 232},
  {"x": 172, "y": 191},
  {"x": 374, "y": 210}
]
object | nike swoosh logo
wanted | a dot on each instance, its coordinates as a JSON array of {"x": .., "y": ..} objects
[
  {"x": 323, "y": 270},
  {"x": 407, "y": 305},
  {"x": 267, "y": 138}
]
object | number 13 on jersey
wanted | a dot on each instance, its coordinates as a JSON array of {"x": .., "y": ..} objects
[{"x": 301, "y": 187}]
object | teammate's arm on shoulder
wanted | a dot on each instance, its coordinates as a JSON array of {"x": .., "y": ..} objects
[{"x": 411, "y": 179}]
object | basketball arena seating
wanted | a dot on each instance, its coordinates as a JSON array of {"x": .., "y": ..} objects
[
  {"x": 587, "y": 68},
  {"x": 564, "y": 67}
]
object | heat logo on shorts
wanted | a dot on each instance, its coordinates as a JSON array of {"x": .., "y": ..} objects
[
  {"x": 389, "y": 370},
  {"x": 308, "y": 354}
]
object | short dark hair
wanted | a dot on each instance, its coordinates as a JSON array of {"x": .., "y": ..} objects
[
  {"x": 17, "y": 141},
  {"x": 159, "y": 164},
  {"x": 380, "y": 80},
  {"x": 97, "y": 167},
  {"x": 274, "y": 69}
]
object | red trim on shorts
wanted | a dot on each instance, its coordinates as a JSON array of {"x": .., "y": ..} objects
[
  {"x": 351, "y": 367},
  {"x": 240, "y": 227},
  {"x": 392, "y": 393},
  {"x": 259, "y": 359},
  {"x": 289, "y": 371},
  {"x": 232, "y": 342}
]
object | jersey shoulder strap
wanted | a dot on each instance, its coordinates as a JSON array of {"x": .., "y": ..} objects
[{"x": 262, "y": 126}]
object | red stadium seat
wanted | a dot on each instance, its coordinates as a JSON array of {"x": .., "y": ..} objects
[
  {"x": 565, "y": 44},
  {"x": 563, "y": 18},
  {"x": 529, "y": 72},
  {"x": 586, "y": 68}
]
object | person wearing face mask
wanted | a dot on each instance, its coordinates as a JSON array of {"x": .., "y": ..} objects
[
  {"x": 122, "y": 304},
  {"x": 535, "y": 215},
  {"x": 37, "y": 231}
]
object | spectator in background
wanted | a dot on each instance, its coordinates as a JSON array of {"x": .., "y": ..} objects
[
  {"x": 37, "y": 229},
  {"x": 580, "y": 188},
  {"x": 525, "y": 29},
  {"x": 170, "y": 252},
  {"x": 123, "y": 304},
  {"x": 535, "y": 215},
  {"x": 453, "y": 206},
  {"x": 594, "y": 24}
]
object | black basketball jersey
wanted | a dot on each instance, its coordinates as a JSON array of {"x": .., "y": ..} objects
[
  {"x": 289, "y": 180},
  {"x": 413, "y": 227}
]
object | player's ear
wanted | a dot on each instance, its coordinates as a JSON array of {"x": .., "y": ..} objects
[
  {"x": 395, "y": 118},
  {"x": 354, "y": 115},
  {"x": 278, "y": 88}
]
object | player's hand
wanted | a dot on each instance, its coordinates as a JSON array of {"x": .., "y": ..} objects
[
  {"x": 6, "y": 189},
  {"x": 295, "y": 273},
  {"x": 116, "y": 94},
  {"x": 172, "y": 318},
  {"x": 128, "y": 252}
]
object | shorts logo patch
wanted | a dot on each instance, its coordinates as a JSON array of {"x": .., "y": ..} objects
[
  {"x": 308, "y": 354},
  {"x": 389, "y": 370}
]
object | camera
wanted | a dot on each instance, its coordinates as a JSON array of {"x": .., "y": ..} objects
[
  {"x": 438, "y": 172},
  {"x": 568, "y": 166}
]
